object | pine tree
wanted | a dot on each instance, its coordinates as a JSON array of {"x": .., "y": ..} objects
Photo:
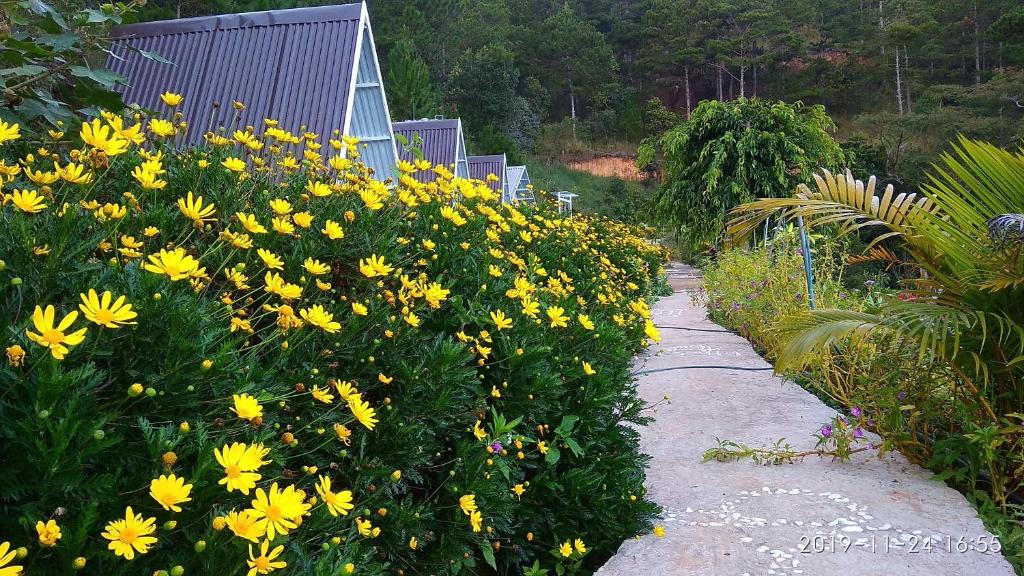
[{"x": 410, "y": 94}]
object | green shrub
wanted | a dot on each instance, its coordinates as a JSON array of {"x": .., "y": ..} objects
[
  {"x": 728, "y": 153},
  {"x": 458, "y": 369}
]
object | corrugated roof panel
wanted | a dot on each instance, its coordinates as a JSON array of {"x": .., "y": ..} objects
[
  {"x": 293, "y": 65},
  {"x": 439, "y": 143},
  {"x": 378, "y": 155},
  {"x": 514, "y": 174},
  {"x": 481, "y": 166},
  {"x": 367, "y": 69}
]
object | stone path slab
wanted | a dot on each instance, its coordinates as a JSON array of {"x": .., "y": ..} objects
[{"x": 868, "y": 517}]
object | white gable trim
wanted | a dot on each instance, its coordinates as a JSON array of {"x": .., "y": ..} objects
[
  {"x": 368, "y": 30},
  {"x": 366, "y": 35},
  {"x": 354, "y": 71}
]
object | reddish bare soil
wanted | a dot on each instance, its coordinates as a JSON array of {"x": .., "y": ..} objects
[{"x": 618, "y": 166}]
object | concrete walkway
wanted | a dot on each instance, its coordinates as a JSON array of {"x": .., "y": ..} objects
[{"x": 867, "y": 517}]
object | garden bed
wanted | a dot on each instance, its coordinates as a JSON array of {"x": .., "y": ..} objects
[{"x": 252, "y": 355}]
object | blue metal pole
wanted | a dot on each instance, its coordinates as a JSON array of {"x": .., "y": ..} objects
[{"x": 805, "y": 246}]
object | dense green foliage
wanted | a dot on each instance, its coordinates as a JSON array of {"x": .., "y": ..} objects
[
  {"x": 46, "y": 60},
  {"x": 409, "y": 92},
  {"x": 940, "y": 363},
  {"x": 463, "y": 324},
  {"x": 729, "y": 153}
]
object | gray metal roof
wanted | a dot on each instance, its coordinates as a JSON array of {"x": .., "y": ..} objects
[
  {"x": 481, "y": 166},
  {"x": 310, "y": 68},
  {"x": 441, "y": 143}
]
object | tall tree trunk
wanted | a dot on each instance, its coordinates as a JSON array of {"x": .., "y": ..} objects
[
  {"x": 572, "y": 108},
  {"x": 906, "y": 75},
  {"x": 686, "y": 75},
  {"x": 977, "y": 47},
  {"x": 899, "y": 82},
  {"x": 721, "y": 95},
  {"x": 754, "y": 93},
  {"x": 743, "y": 92},
  {"x": 881, "y": 24}
]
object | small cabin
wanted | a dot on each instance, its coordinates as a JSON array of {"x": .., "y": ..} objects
[
  {"x": 312, "y": 69},
  {"x": 518, "y": 185},
  {"x": 482, "y": 166},
  {"x": 439, "y": 140}
]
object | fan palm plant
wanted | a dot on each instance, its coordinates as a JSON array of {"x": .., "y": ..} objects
[{"x": 963, "y": 234}]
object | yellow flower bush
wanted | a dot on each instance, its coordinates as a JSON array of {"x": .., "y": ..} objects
[{"x": 251, "y": 357}]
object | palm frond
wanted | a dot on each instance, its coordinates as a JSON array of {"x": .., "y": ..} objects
[
  {"x": 979, "y": 185},
  {"x": 878, "y": 254},
  {"x": 843, "y": 200},
  {"x": 937, "y": 331},
  {"x": 806, "y": 335}
]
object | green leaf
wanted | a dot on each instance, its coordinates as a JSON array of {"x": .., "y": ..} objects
[
  {"x": 31, "y": 108},
  {"x": 53, "y": 21},
  {"x": 104, "y": 77},
  {"x": 503, "y": 468},
  {"x": 154, "y": 57},
  {"x": 28, "y": 48},
  {"x": 26, "y": 70},
  {"x": 488, "y": 554},
  {"x": 553, "y": 456},
  {"x": 99, "y": 17},
  {"x": 576, "y": 450},
  {"x": 535, "y": 570},
  {"x": 59, "y": 42},
  {"x": 565, "y": 427}
]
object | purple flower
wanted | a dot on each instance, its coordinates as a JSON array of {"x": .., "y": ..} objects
[
  {"x": 735, "y": 305},
  {"x": 826, "y": 431},
  {"x": 858, "y": 432},
  {"x": 496, "y": 447},
  {"x": 842, "y": 295},
  {"x": 799, "y": 297},
  {"x": 753, "y": 284},
  {"x": 855, "y": 412},
  {"x": 901, "y": 396},
  {"x": 869, "y": 283}
]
